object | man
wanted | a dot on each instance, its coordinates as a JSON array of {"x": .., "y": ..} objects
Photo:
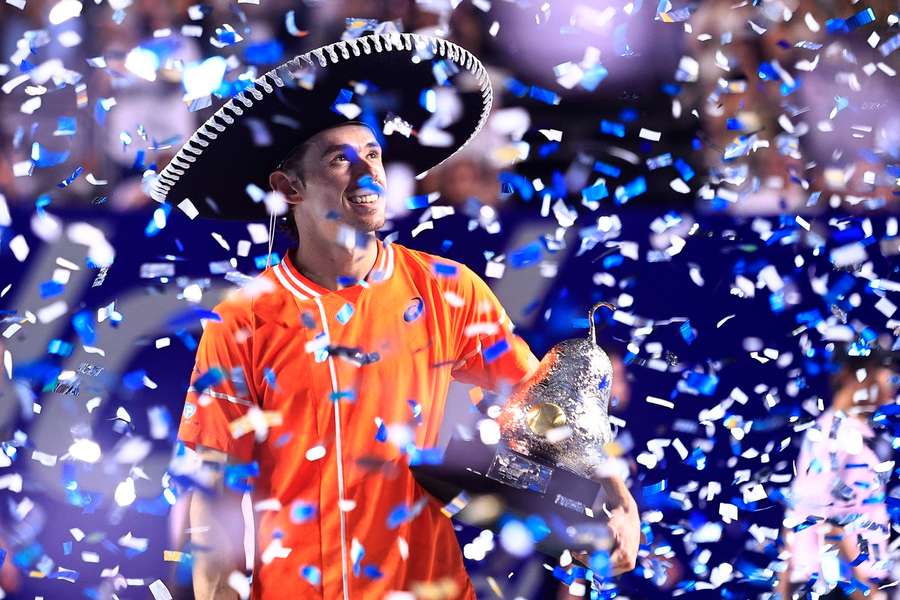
[
  {"x": 837, "y": 524},
  {"x": 331, "y": 369}
]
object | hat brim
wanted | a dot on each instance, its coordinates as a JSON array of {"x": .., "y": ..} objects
[{"x": 222, "y": 169}]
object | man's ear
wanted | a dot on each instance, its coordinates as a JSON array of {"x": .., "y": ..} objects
[{"x": 288, "y": 186}]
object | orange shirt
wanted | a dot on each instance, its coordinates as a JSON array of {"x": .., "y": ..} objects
[{"x": 329, "y": 392}]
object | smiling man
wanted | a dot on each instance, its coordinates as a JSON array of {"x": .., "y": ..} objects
[
  {"x": 334, "y": 182},
  {"x": 326, "y": 376}
]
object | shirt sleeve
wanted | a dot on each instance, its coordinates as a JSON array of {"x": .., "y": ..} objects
[
  {"x": 220, "y": 395},
  {"x": 488, "y": 353}
]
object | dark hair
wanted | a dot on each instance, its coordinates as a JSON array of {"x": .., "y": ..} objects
[{"x": 293, "y": 164}]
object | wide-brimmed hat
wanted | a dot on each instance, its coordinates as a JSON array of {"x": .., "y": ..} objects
[{"x": 424, "y": 97}]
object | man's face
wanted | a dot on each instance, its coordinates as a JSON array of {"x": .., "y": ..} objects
[{"x": 343, "y": 180}]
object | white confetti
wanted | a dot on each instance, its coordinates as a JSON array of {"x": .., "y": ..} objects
[
  {"x": 53, "y": 311},
  {"x": 649, "y": 134},
  {"x": 728, "y": 512},
  {"x": 886, "y": 307},
  {"x": 19, "y": 247},
  {"x": 660, "y": 402},
  {"x": 554, "y": 135},
  {"x": 315, "y": 453},
  {"x": 63, "y": 11},
  {"x": 188, "y": 208},
  {"x": 160, "y": 591}
]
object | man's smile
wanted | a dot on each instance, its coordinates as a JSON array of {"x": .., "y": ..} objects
[{"x": 365, "y": 197}]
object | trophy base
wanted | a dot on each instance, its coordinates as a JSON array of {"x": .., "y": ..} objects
[{"x": 521, "y": 486}]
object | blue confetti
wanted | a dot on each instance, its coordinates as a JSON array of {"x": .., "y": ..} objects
[
  {"x": 264, "y": 53},
  {"x": 687, "y": 332},
  {"x": 208, "y": 379},
  {"x": 702, "y": 383},
  {"x": 425, "y": 456},
  {"x": 416, "y": 202},
  {"x": 66, "y": 126},
  {"x": 344, "y": 314},
  {"x": 302, "y": 511},
  {"x": 684, "y": 169},
  {"x": 348, "y": 395},
  {"x": 595, "y": 192},
  {"x": 68, "y": 180},
  {"x": 594, "y": 77},
  {"x": 381, "y": 434},
  {"x": 630, "y": 190},
  {"x": 51, "y": 288},
  {"x": 767, "y": 72},
  {"x": 367, "y": 183},
  {"x": 357, "y": 552},
  {"x": 399, "y": 515},
  {"x": 416, "y": 409},
  {"x": 543, "y": 95},
  {"x": 372, "y": 572},
  {"x": 612, "y": 128},
  {"x": 516, "y": 87},
  {"x": 428, "y": 100},
  {"x": 101, "y": 107},
  {"x": 311, "y": 574},
  {"x": 261, "y": 261},
  {"x": 135, "y": 379},
  {"x": 889, "y": 46},
  {"x": 442, "y": 269},
  {"x": 83, "y": 322},
  {"x": 442, "y": 70},
  {"x": 525, "y": 256},
  {"x": 59, "y": 348},
  {"x": 787, "y": 89},
  {"x": 495, "y": 350},
  {"x": 513, "y": 181},
  {"x": 601, "y": 564},
  {"x": 607, "y": 169},
  {"x": 236, "y": 476},
  {"x": 44, "y": 158},
  {"x": 863, "y": 17},
  {"x": 344, "y": 96}
]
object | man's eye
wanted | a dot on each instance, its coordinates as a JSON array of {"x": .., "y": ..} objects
[
  {"x": 374, "y": 154},
  {"x": 340, "y": 157}
]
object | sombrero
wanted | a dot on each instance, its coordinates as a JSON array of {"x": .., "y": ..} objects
[{"x": 395, "y": 83}]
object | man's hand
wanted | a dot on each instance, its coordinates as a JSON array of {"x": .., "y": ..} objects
[
  {"x": 624, "y": 525},
  {"x": 625, "y": 530}
]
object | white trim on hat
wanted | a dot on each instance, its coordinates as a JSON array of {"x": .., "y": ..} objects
[{"x": 206, "y": 134}]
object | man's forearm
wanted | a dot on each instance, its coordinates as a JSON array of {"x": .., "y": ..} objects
[
  {"x": 217, "y": 533},
  {"x": 616, "y": 493}
]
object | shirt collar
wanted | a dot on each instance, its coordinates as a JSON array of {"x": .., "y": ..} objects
[{"x": 304, "y": 288}]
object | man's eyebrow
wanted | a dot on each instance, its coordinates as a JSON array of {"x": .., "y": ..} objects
[{"x": 336, "y": 147}]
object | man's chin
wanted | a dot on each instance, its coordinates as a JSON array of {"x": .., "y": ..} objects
[{"x": 370, "y": 225}]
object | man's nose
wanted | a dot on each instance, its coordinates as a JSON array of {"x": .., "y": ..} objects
[{"x": 364, "y": 167}]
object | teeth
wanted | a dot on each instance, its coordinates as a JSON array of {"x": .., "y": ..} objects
[{"x": 363, "y": 199}]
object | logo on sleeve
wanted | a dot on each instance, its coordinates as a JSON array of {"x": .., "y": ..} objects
[
  {"x": 189, "y": 410},
  {"x": 413, "y": 309}
]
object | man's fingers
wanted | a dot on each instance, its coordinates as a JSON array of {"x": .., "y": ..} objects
[{"x": 621, "y": 562}]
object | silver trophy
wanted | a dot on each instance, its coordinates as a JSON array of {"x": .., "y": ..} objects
[
  {"x": 553, "y": 431},
  {"x": 559, "y": 416}
]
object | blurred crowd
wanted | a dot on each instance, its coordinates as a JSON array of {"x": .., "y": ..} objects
[{"x": 742, "y": 93}]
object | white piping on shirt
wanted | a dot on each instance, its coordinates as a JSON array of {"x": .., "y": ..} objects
[
  {"x": 278, "y": 270},
  {"x": 303, "y": 287},
  {"x": 222, "y": 396},
  {"x": 340, "y": 466}
]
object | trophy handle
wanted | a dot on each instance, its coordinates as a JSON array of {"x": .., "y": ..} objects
[{"x": 594, "y": 308}]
